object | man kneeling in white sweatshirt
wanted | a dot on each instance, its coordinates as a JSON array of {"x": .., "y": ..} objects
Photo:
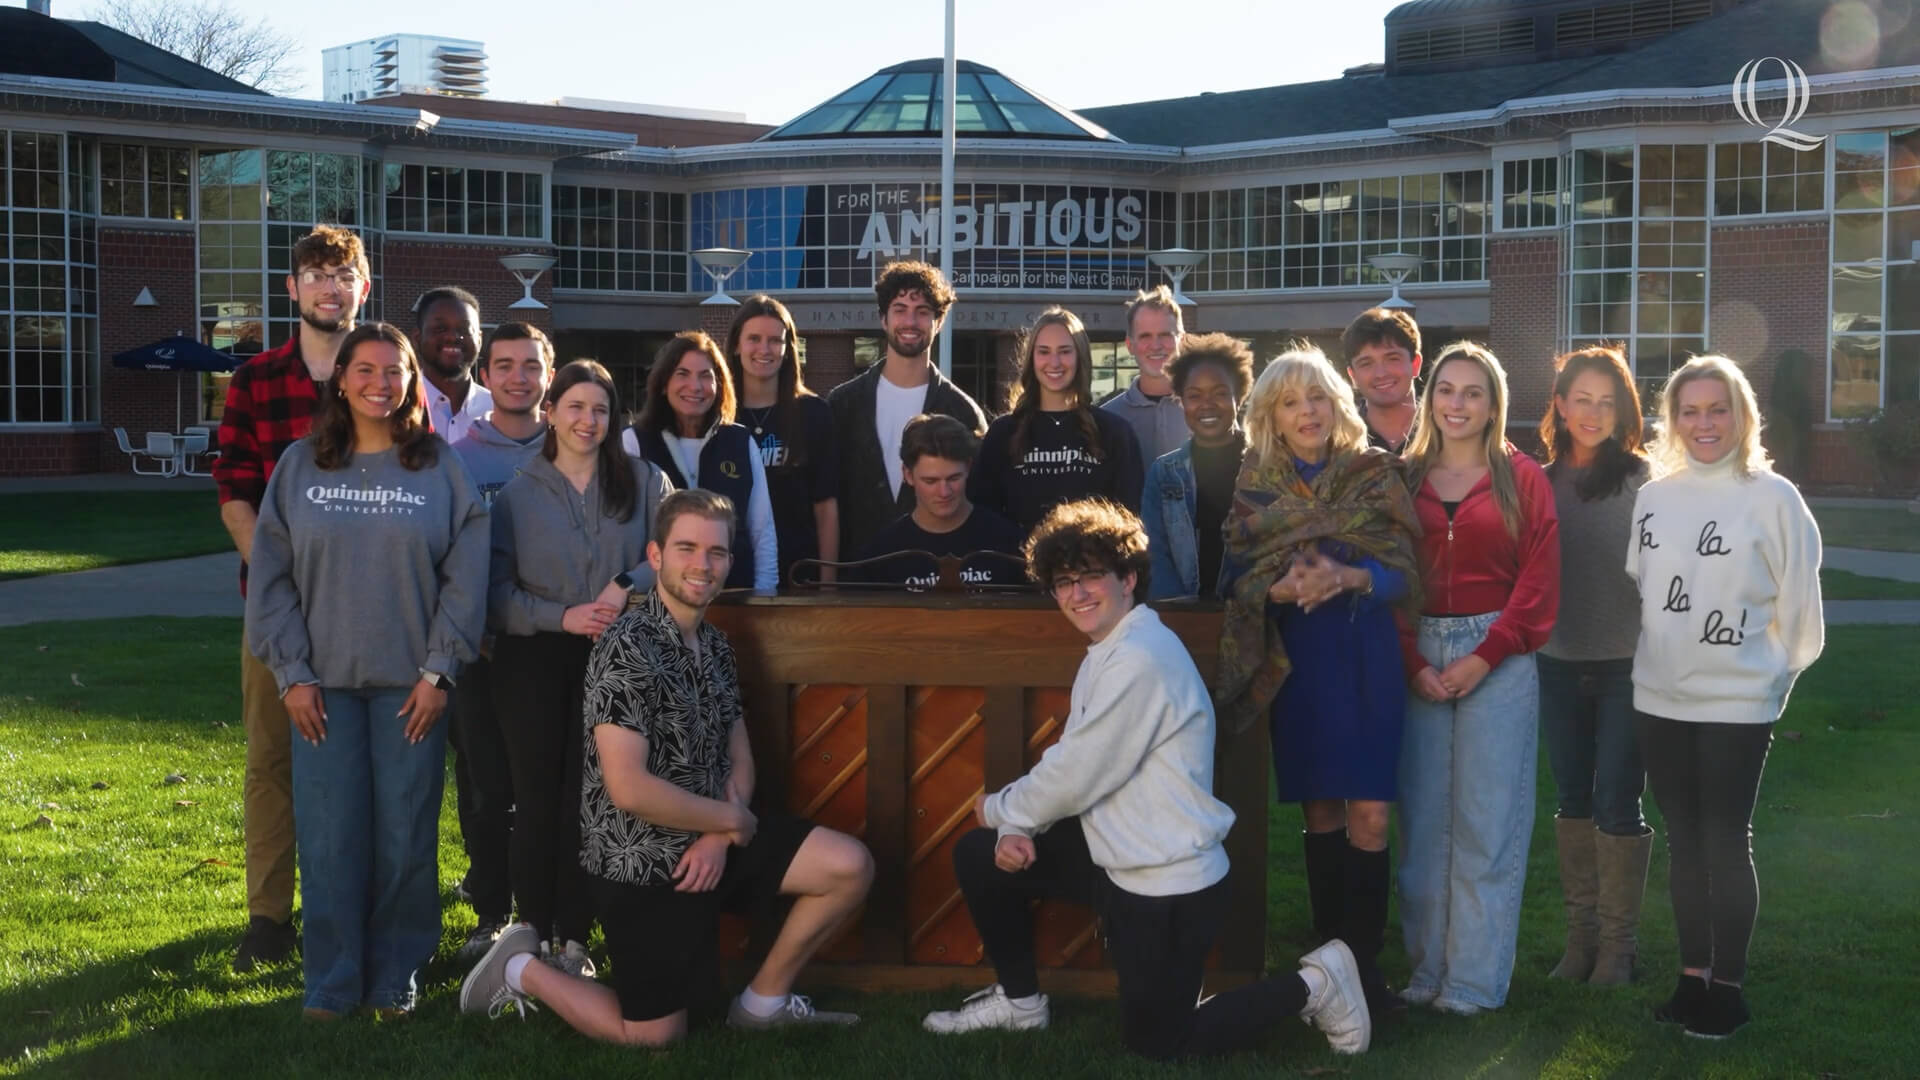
[{"x": 1120, "y": 815}]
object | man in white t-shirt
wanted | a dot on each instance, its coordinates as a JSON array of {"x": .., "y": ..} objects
[{"x": 872, "y": 409}]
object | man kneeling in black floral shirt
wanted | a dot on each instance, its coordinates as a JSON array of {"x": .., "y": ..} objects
[{"x": 665, "y": 830}]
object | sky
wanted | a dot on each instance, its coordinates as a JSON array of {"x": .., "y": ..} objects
[{"x": 773, "y": 59}]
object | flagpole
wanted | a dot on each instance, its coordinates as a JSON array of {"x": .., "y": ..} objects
[{"x": 946, "y": 185}]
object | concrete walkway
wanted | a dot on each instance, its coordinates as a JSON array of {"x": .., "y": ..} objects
[
  {"x": 28, "y": 485},
  {"x": 205, "y": 585},
  {"x": 1898, "y": 565}
]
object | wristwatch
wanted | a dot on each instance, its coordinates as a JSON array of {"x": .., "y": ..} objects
[
  {"x": 624, "y": 579},
  {"x": 435, "y": 680}
]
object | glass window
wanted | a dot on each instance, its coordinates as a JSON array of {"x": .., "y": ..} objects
[
  {"x": 614, "y": 240},
  {"x": 1875, "y": 312},
  {"x": 1530, "y": 193},
  {"x": 454, "y": 200}
]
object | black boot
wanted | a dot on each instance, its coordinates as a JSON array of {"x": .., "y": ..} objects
[
  {"x": 1363, "y": 923},
  {"x": 1688, "y": 995},
  {"x": 1326, "y": 877},
  {"x": 1721, "y": 1012}
]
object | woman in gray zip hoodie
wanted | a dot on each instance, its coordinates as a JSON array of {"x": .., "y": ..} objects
[
  {"x": 569, "y": 543},
  {"x": 367, "y": 594}
]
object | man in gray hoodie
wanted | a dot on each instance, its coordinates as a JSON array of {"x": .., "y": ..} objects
[
  {"x": 516, "y": 363},
  {"x": 1120, "y": 815}
]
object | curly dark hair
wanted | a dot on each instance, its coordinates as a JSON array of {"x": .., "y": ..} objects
[
  {"x": 330, "y": 245},
  {"x": 1090, "y": 534},
  {"x": 415, "y": 444},
  {"x": 1224, "y": 351},
  {"x": 913, "y": 276}
]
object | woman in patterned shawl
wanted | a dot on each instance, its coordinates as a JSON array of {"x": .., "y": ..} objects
[{"x": 1321, "y": 533}]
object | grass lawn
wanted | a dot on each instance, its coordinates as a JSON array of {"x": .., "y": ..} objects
[
  {"x": 118, "y": 922},
  {"x": 1842, "y": 585},
  {"x": 1892, "y": 529},
  {"x": 57, "y": 531}
]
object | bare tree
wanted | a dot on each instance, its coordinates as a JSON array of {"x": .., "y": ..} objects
[{"x": 213, "y": 35}]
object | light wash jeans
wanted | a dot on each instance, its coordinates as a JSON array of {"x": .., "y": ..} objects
[
  {"x": 1466, "y": 816},
  {"x": 366, "y": 812}
]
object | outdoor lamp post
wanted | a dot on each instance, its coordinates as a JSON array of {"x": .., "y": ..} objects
[
  {"x": 526, "y": 268},
  {"x": 1176, "y": 262},
  {"x": 1395, "y": 265},
  {"x": 720, "y": 263}
]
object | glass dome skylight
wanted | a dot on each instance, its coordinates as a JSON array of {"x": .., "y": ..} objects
[{"x": 905, "y": 101}]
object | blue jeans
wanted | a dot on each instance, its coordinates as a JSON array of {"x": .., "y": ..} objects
[
  {"x": 366, "y": 812},
  {"x": 1466, "y": 816},
  {"x": 1586, "y": 717}
]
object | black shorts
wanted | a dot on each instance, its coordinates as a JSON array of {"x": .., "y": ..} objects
[{"x": 659, "y": 939}]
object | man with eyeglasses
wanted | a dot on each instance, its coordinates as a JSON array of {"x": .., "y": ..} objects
[
  {"x": 1120, "y": 815},
  {"x": 447, "y": 338},
  {"x": 271, "y": 401}
]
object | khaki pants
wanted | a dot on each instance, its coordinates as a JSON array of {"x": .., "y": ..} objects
[{"x": 267, "y": 797}]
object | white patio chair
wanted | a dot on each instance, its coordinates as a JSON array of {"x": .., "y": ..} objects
[
  {"x": 191, "y": 446},
  {"x": 127, "y": 448},
  {"x": 163, "y": 447}
]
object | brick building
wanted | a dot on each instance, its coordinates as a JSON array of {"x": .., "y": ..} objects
[{"x": 1567, "y": 171}]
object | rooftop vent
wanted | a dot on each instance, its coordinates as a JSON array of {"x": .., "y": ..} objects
[
  {"x": 1603, "y": 24},
  {"x": 1462, "y": 41}
]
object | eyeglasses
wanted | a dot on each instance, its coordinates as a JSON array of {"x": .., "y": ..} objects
[
  {"x": 1064, "y": 584},
  {"x": 346, "y": 279}
]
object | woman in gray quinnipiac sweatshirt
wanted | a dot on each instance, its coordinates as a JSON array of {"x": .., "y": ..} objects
[
  {"x": 367, "y": 593},
  {"x": 569, "y": 543}
]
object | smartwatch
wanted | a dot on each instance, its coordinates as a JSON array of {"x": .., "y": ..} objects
[
  {"x": 624, "y": 579},
  {"x": 436, "y": 680}
]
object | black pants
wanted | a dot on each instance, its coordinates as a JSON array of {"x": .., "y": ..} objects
[
  {"x": 483, "y": 790},
  {"x": 537, "y": 683},
  {"x": 1158, "y": 946},
  {"x": 1705, "y": 779}
]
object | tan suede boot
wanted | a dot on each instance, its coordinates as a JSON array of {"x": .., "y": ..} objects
[
  {"x": 1578, "y": 884},
  {"x": 1621, "y": 862}
]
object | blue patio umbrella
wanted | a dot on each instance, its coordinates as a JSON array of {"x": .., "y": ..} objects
[{"x": 179, "y": 353}]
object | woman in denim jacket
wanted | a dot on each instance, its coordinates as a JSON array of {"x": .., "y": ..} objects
[{"x": 1188, "y": 490}]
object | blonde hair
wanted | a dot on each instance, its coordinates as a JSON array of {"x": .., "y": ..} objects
[
  {"x": 1303, "y": 366},
  {"x": 1423, "y": 449},
  {"x": 1749, "y": 456}
]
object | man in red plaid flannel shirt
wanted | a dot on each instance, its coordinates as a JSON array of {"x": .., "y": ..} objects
[{"x": 271, "y": 402}]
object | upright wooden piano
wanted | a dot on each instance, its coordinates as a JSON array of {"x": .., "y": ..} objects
[{"x": 883, "y": 715}]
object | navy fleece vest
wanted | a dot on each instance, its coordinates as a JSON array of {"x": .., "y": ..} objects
[{"x": 726, "y": 468}]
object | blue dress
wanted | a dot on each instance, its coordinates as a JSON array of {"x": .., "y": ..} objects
[{"x": 1336, "y": 721}]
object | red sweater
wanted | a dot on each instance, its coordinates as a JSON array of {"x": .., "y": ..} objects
[{"x": 1473, "y": 565}]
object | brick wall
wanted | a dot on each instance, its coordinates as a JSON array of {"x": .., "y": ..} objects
[
  {"x": 411, "y": 267},
  {"x": 829, "y": 361},
  {"x": 1768, "y": 293},
  {"x": 1523, "y": 322},
  {"x": 141, "y": 401},
  {"x": 53, "y": 453}
]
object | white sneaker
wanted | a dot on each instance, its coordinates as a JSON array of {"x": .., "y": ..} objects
[
  {"x": 572, "y": 959},
  {"x": 990, "y": 1009},
  {"x": 1340, "y": 1008},
  {"x": 799, "y": 1010}
]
